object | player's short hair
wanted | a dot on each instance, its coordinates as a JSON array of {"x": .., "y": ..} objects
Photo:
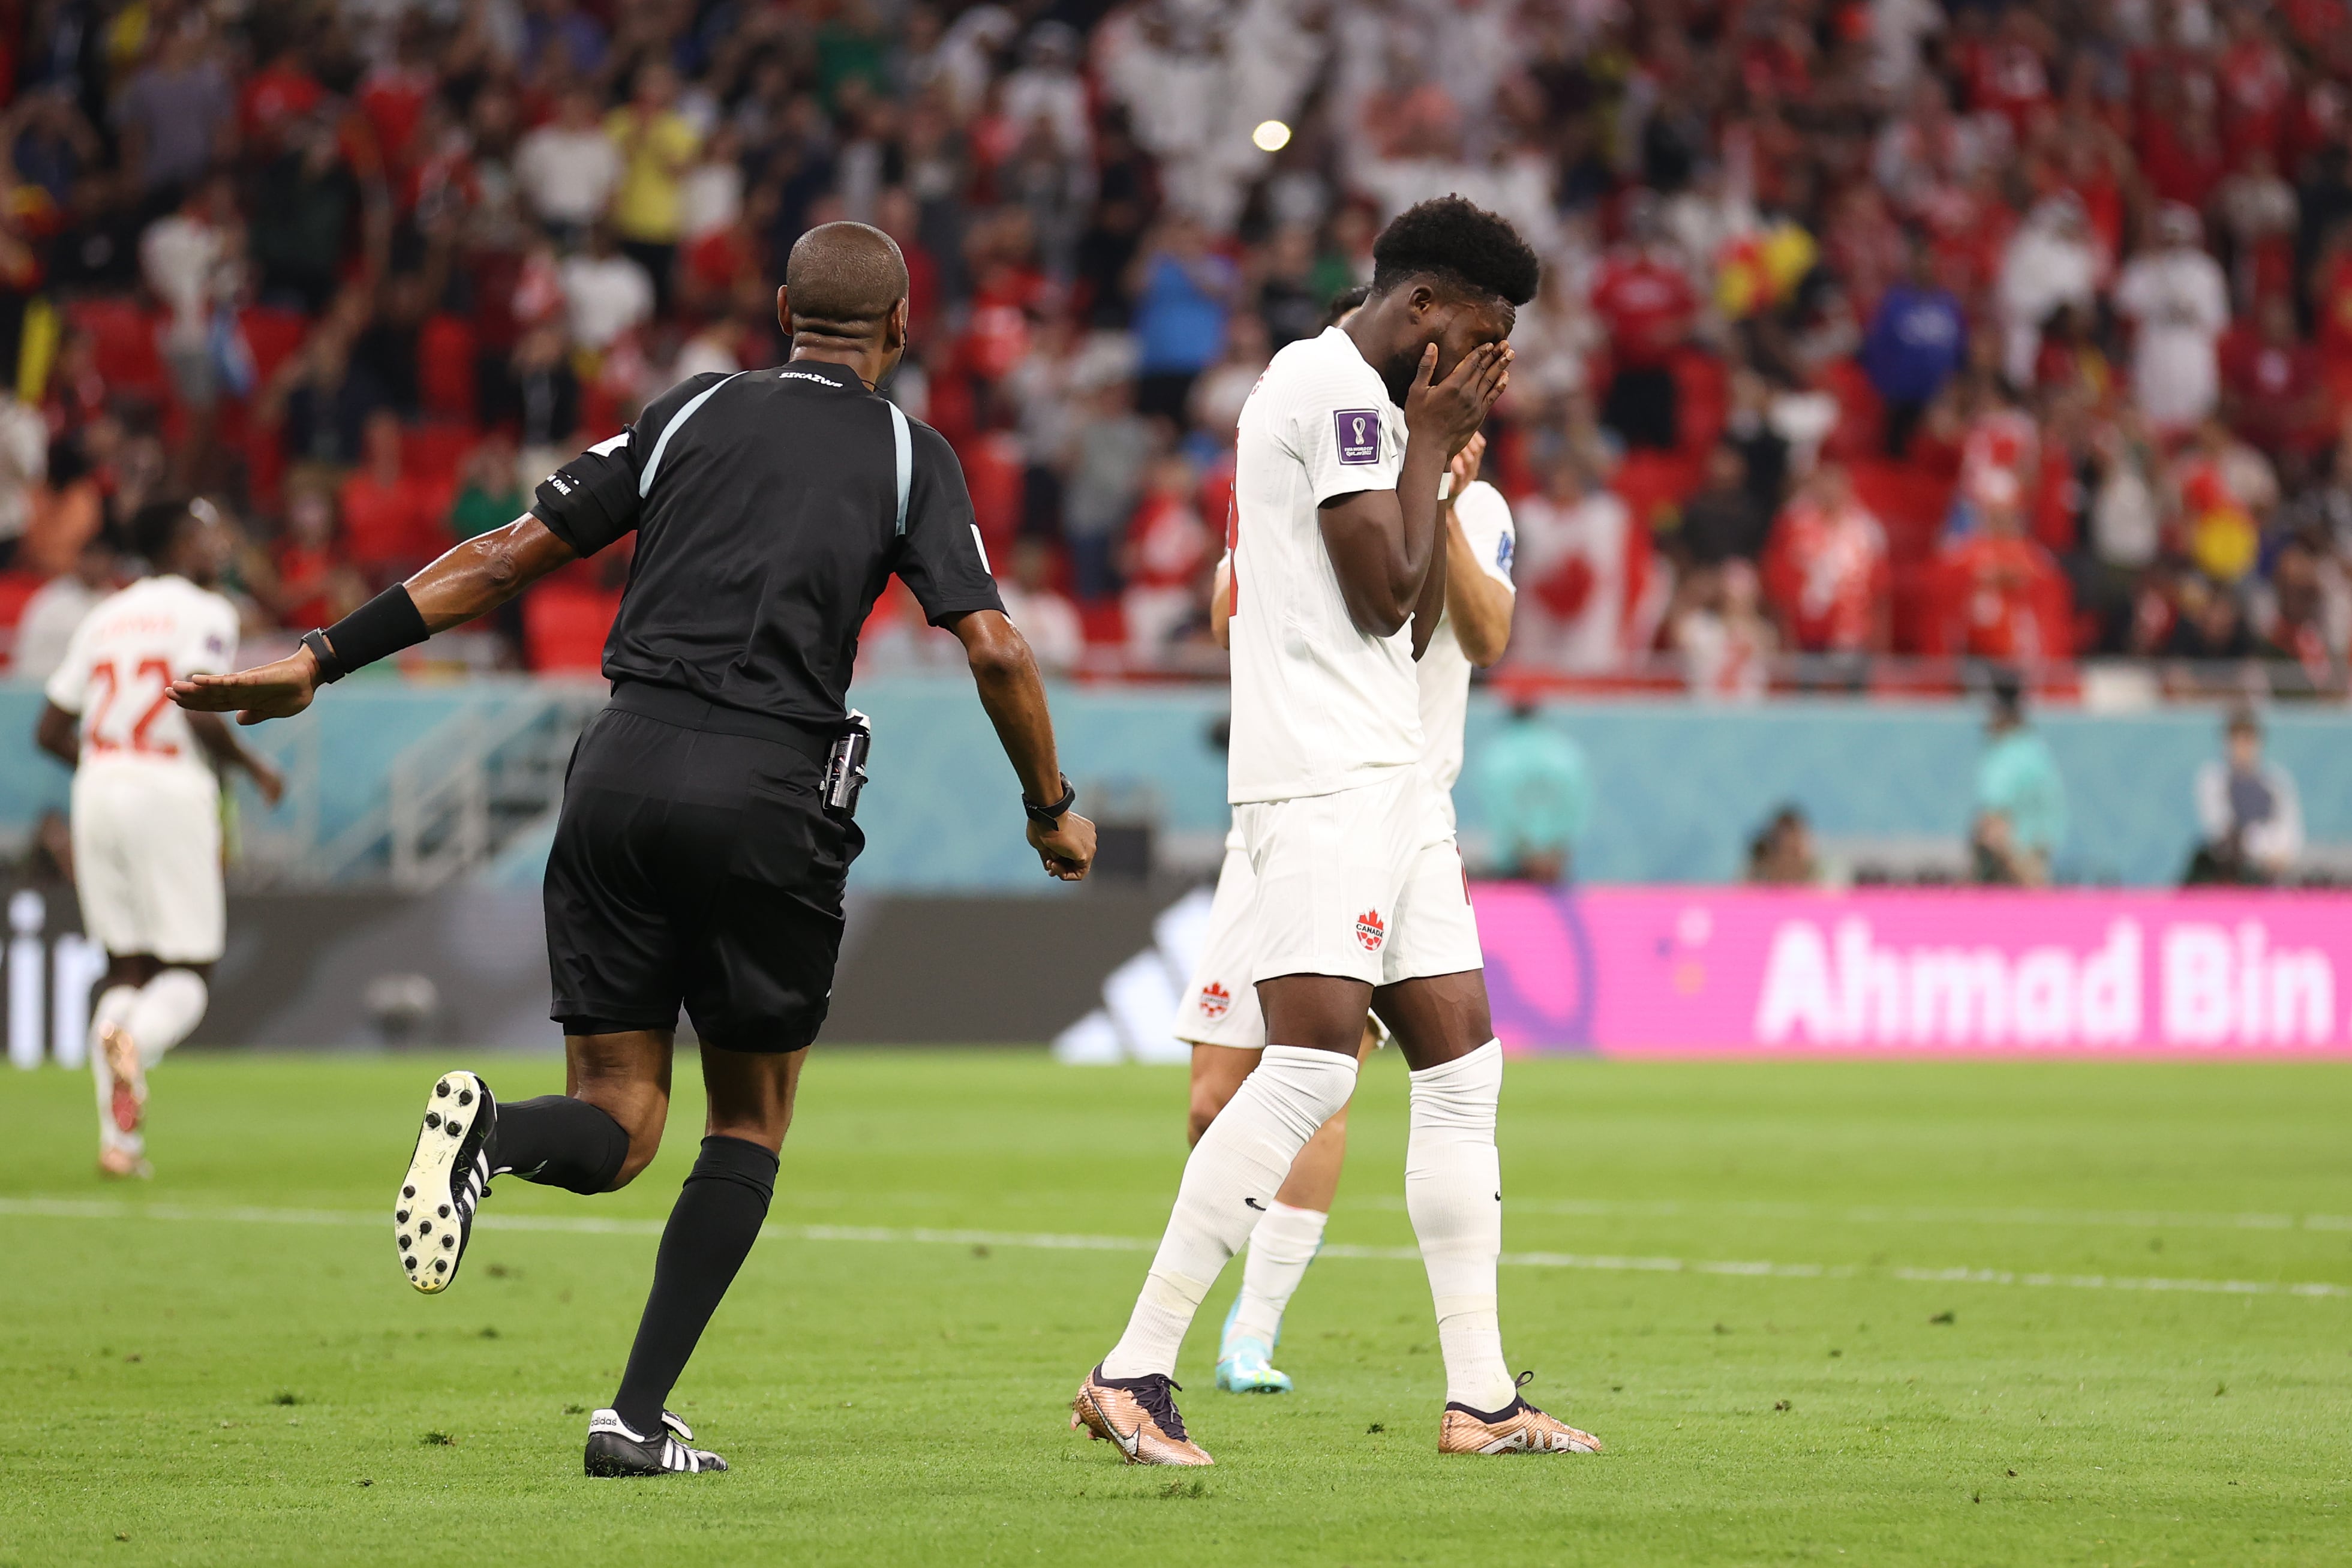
[
  {"x": 155, "y": 530},
  {"x": 844, "y": 278},
  {"x": 1345, "y": 302},
  {"x": 1458, "y": 243}
]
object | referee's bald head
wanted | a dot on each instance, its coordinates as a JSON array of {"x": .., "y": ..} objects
[{"x": 843, "y": 281}]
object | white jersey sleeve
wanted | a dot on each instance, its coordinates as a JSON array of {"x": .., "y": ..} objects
[
  {"x": 1344, "y": 438},
  {"x": 1486, "y": 519}
]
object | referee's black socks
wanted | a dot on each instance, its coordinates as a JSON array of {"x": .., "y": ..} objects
[
  {"x": 559, "y": 1142},
  {"x": 718, "y": 1215}
]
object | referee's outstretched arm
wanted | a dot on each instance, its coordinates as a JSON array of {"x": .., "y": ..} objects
[{"x": 844, "y": 304}]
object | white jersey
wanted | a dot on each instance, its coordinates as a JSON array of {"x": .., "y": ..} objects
[
  {"x": 1318, "y": 706},
  {"x": 118, "y": 666},
  {"x": 1445, "y": 669}
]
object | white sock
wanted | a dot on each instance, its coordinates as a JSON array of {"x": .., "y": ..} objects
[
  {"x": 1280, "y": 1248},
  {"x": 1229, "y": 1184},
  {"x": 113, "y": 1006},
  {"x": 1453, "y": 1191},
  {"x": 169, "y": 1008}
]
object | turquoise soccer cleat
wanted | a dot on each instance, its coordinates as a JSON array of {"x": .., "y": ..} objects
[{"x": 1244, "y": 1364}]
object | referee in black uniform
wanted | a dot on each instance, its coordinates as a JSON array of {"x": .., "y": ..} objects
[{"x": 705, "y": 834}]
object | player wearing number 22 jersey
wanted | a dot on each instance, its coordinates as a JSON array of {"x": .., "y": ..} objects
[{"x": 146, "y": 812}]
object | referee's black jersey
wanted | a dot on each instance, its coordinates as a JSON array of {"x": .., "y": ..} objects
[{"x": 768, "y": 507}]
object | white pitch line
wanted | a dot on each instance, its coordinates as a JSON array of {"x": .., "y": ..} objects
[
  {"x": 94, "y": 1208},
  {"x": 2127, "y": 1219}
]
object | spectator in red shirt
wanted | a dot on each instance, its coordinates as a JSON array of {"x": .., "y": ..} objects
[
  {"x": 1645, "y": 301},
  {"x": 392, "y": 519},
  {"x": 1825, "y": 569},
  {"x": 2272, "y": 379},
  {"x": 1998, "y": 593}
]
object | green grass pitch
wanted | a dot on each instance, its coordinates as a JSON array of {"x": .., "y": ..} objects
[{"x": 1907, "y": 1312}]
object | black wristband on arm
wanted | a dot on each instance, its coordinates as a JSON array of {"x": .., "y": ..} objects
[{"x": 377, "y": 630}]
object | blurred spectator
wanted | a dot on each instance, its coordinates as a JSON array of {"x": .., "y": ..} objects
[
  {"x": 1644, "y": 301},
  {"x": 605, "y": 291},
  {"x": 2273, "y": 380},
  {"x": 1723, "y": 521},
  {"x": 172, "y": 114},
  {"x": 1725, "y": 642},
  {"x": 23, "y": 473},
  {"x": 1170, "y": 551},
  {"x": 568, "y": 167},
  {"x": 194, "y": 259},
  {"x": 1045, "y": 615},
  {"x": 490, "y": 495},
  {"x": 2178, "y": 302},
  {"x": 55, "y": 608},
  {"x": 304, "y": 202},
  {"x": 1826, "y": 572},
  {"x": 1781, "y": 853},
  {"x": 2050, "y": 264},
  {"x": 1915, "y": 343},
  {"x": 1184, "y": 292},
  {"x": 1107, "y": 452},
  {"x": 312, "y": 586},
  {"x": 1537, "y": 793},
  {"x": 1218, "y": 396},
  {"x": 656, "y": 145},
  {"x": 2247, "y": 811},
  {"x": 2021, "y": 800},
  {"x": 392, "y": 519},
  {"x": 320, "y": 400},
  {"x": 1592, "y": 593},
  {"x": 2001, "y": 593},
  {"x": 541, "y": 395}
]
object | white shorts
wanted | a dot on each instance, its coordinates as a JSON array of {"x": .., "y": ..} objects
[
  {"x": 1365, "y": 883},
  {"x": 1220, "y": 1006},
  {"x": 147, "y": 861}
]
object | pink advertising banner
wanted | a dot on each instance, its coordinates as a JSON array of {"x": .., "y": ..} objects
[{"x": 1664, "y": 971}]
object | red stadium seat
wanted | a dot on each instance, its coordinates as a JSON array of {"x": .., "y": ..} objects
[
  {"x": 272, "y": 336},
  {"x": 564, "y": 627},
  {"x": 123, "y": 337},
  {"x": 444, "y": 366},
  {"x": 436, "y": 450}
]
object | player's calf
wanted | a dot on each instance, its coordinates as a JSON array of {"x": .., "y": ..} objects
[{"x": 448, "y": 1176}]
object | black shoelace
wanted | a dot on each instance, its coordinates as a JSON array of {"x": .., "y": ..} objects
[{"x": 1154, "y": 1395}]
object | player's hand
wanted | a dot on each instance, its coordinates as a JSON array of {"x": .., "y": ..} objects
[
  {"x": 1451, "y": 411},
  {"x": 1464, "y": 467},
  {"x": 275, "y": 690},
  {"x": 266, "y": 780},
  {"x": 1067, "y": 847}
]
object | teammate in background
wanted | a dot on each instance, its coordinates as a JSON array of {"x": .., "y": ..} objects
[
  {"x": 147, "y": 805},
  {"x": 1339, "y": 582},
  {"x": 1219, "y": 1015}
]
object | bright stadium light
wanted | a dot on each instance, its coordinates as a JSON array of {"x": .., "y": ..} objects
[{"x": 1271, "y": 136}]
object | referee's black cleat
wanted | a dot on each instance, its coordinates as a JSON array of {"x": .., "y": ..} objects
[
  {"x": 447, "y": 1178},
  {"x": 615, "y": 1450}
]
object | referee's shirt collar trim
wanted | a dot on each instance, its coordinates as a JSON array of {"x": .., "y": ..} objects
[{"x": 839, "y": 375}]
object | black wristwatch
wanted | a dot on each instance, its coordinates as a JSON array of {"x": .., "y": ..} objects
[
  {"x": 331, "y": 668},
  {"x": 1051, "y": 815}
]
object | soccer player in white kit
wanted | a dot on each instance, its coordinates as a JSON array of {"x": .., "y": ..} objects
[
  {"x": 1339, "y": 582},
  {"x": 1218, "y": 1015},
  {"x": 146, "y": 805}
]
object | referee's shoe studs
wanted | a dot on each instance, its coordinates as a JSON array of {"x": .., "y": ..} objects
[
  {"x": 448, "y": 1177},
  {"x": 615, "y": 1449}
]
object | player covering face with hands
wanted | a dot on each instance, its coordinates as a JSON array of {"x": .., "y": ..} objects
[
  {"x": 708, "y": 819},
  {"x": 1339, "y": 583}
]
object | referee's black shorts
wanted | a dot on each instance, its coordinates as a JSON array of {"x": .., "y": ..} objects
[{"x": 695, "y": 863}]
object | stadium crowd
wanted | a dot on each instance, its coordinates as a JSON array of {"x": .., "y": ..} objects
[{"x": 2019, "y": 334}]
